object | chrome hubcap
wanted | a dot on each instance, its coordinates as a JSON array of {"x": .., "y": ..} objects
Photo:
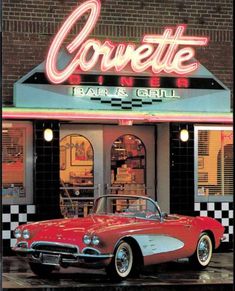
[
  {"x": 123, "y": 259},
  {"x": 203, "y": 250}
]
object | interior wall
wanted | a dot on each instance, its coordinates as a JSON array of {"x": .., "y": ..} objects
[{"x": 94, "y": 133}]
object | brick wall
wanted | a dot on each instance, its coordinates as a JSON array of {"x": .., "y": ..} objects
[{"x": 28, "y": 27}]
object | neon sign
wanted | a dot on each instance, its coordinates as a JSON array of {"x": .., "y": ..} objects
[
  {"x": 178, "y": 82},
  {"x": 119, "y": 92},
  {"x": 158, "y": 53}
]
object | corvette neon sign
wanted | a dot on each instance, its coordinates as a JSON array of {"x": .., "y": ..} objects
[{"x": 158, "y": 53}]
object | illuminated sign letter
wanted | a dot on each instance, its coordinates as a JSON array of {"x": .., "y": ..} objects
[
  {"x": 154, "y": 82},
  {"x": 126, "y": 81},
  {"x": 59, "y": 76},
  {"x": 182, "y": 82},
  {"x": 74, "y": 79},
  {"x": 158, "y": 53},
  {"x": 100, "y": 80}
]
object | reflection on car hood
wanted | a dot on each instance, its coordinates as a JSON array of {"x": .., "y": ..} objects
[{"x": 90, "y": 223}]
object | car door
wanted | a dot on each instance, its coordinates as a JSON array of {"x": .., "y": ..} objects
[{"x": 163, "y": 239}]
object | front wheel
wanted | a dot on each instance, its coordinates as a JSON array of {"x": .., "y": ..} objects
[
  {"x": 202, "y": 256},
  {"x": 41, "y": 270},
  {"x": 122, "y": 262}
]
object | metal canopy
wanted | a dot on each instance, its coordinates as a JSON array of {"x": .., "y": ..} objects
[{"x": 57, "y": 102}]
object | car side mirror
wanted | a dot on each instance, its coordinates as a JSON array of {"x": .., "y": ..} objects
[{"x": 163, "y": 215}]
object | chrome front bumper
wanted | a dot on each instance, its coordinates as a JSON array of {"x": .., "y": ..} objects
[
  {"x": 64, "y": 258},
  {"x": 223, "y": 238}
]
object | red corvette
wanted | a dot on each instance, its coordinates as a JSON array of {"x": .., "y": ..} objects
[{"x": 122, "y": 234}]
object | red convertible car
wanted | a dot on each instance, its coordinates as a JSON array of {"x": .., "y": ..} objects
[{"x": 122, "y": 234}]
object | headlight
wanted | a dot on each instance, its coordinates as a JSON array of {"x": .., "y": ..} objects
[
  {"x": 17, "y": 233},
  {"x": 95, "y": 240},
  {"x": 26, "y": 234},
  {"x": 87, "y": 239}
]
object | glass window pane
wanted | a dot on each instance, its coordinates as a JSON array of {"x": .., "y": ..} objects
[
  {"x": 76, "y": 174},
  {"x": 17, "y": 162},
  {"x": 76, "y": 161},
  {"x": 128, "y": 159},
  {"x": 215, "y": 162},
  {"x": 125, "y": 206}
]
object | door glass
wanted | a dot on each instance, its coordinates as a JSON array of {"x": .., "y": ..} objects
[
  {"x": 76, "y": 174},
  {"x": 128, "y": 166}
]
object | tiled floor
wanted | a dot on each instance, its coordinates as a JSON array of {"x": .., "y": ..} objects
[{"x": 170, "y": 276}]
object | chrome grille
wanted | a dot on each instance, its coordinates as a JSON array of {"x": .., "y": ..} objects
[{"x": 55, "y": 248}]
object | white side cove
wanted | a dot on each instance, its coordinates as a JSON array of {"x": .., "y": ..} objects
[{"x": 157, "y": 244}]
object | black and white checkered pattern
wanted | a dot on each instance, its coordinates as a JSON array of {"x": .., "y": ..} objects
[
  {"x": 126, "y": 103},
  {"x": 222, "y": 211},
  {"x": 13, "y": 216}
]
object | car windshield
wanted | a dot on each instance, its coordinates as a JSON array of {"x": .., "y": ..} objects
[{"x": 130, "y": 206}]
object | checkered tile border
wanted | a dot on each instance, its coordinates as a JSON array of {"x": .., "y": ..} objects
[
  {"x": 124, "y": 103},
  {"x": 222, "y": 211},
  {"x": 13, "y": 216}
]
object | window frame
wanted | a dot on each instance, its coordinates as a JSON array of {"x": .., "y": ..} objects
[
  {"x": 28, "y": 164},
  {"x": 126, "y": 197},
  {"x": 209, "y": 198}
]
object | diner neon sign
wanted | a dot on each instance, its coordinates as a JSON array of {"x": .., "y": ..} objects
[{"x": 159, "y": 53}]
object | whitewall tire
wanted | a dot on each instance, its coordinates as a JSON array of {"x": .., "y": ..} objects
[
  {"x": 122, "y": 262},
  {"x": 203, "y": 253}
]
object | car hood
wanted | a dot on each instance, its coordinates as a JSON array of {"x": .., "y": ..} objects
[{"x": 76, "y": 226}]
